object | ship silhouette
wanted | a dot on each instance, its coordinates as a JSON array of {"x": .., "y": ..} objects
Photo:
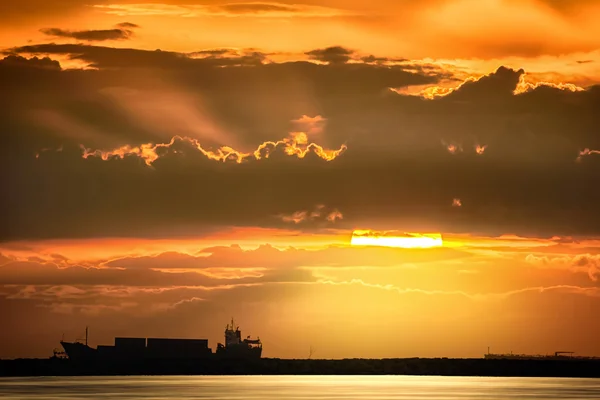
[
  {"x": 237, "y": 356},
  {"x": 139, "y": 349}
]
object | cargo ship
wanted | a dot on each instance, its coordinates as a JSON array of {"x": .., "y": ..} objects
[{"x": 136, "y": 348}]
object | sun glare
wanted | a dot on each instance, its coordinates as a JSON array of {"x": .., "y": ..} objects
[{"x": 396, "y": 239}]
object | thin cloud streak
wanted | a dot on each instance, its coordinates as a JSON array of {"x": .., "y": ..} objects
[
  {"x": 231, "y": 10},
  {"x": 586, "y": 291}
]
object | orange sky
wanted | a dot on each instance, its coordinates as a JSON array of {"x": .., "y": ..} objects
[
  {"x": 315, "y": 291},
  {"x": 162, "y": 192},
  {"x": 554, "y": 40}
]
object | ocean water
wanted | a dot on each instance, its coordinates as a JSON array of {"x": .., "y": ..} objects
[{"x": 297, "y": 387}]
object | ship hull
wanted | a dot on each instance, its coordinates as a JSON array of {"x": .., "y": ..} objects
[
  {"x": 78, "y": 352},
  {"x": 144, "y": 349},
  {"x": 232, "y": 352}
]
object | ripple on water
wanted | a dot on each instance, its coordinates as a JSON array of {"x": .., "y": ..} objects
[{"x": 297, "y": 388}]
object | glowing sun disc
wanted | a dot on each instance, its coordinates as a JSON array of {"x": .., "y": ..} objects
[{"x": 403, "y": 240}]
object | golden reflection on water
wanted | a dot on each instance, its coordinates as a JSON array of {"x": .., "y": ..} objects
[{"x": 297, "y": 388}]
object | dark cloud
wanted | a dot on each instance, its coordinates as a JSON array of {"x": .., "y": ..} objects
[
  {"x": 249, "y": 8},
  {"x": 15, "y": 61},
  {"x": 498, "y": 86},
  {"x": 90, "y": 35},
  {"x": 127, "y": 25},
  {"x": 213, "y": 52},
  {"x": 331, "y": 55},
  {"x": 375, "y": 59},
  {"x": 394, "y": 174},
  {"x": 108, "y": 57}
]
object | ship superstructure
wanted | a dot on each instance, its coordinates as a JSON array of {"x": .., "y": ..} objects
[
  {"x": 234, "y": 345},
  {"x": 132, "y": 348}
]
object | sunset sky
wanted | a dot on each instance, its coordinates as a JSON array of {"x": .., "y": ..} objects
[{"x": 391, "y": 178}]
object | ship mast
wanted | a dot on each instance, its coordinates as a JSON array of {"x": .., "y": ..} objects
[{"x": 86, "y": 335}]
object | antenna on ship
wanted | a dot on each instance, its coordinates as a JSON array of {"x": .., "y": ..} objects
[{"x": 86, "y": 335}]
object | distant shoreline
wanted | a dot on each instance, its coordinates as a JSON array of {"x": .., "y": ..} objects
[{"x": 573, "y": 368}]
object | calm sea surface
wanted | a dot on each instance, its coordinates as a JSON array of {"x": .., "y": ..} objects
[{"x": 298, "y": 387}]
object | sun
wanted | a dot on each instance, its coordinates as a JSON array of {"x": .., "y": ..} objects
[{"x": 406, "y": 240}]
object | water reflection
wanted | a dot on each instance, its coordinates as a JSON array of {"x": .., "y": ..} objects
[{"x": 297, "y": 388}]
